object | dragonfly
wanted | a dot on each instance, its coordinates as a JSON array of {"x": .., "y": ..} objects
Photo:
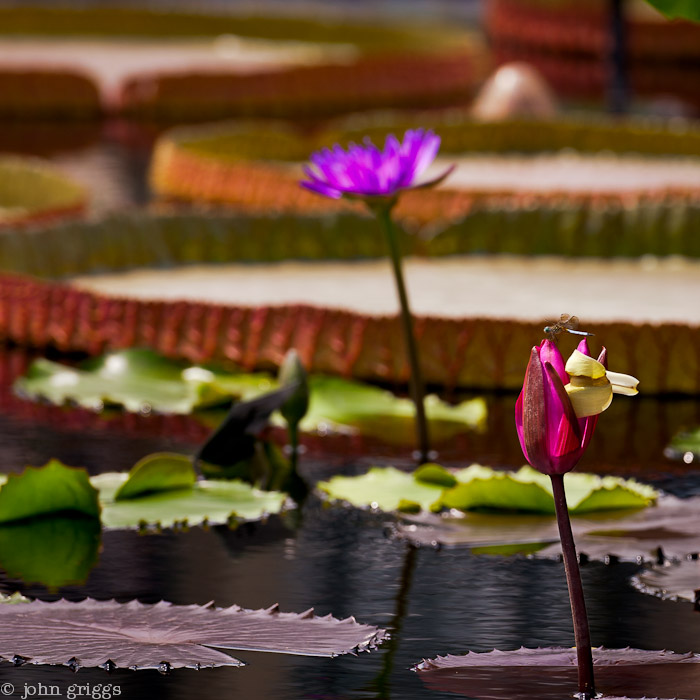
[{"x": 565, "y": 323}]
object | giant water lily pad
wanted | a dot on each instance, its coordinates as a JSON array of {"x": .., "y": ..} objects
[
  {"x": 137, "y": 636},
  {"x": 672, "y": 581},
  {"x": 140, "y": 380},
  {"x": 479, "y": 488},
  {"x": 669, "y": 529},
  {"x": 550, "y": 674},
  {"x": 161, "y": 490}
]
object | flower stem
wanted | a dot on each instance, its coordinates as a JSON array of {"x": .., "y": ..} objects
[
  {"x": 582, "y": 634},
  {"x": 415, "y": 379}
]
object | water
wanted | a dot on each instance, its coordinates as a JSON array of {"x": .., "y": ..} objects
[{"x": 341, "y": 561}]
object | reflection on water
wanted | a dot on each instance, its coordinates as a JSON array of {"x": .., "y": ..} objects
[{"x": 340, "y": 561}]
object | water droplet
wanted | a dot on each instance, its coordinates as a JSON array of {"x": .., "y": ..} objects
[
  {"x": 18, "y": 660},
  {"x": 164, "y": 667},
  {"x": 145, "y": 409},
  {"x": 73, "y": 664},
  {"x": 688, "y": 457}
]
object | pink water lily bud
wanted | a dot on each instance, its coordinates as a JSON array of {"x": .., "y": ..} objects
[
  {"x": 557, "y": 410},
  {"x": 552, "y": 437}
]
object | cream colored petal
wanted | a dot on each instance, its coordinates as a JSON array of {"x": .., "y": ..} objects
[
  {"x": 589, "y": 400},
  {"x": 581, "y": 365},
  {"x": 624, "y": 384}
]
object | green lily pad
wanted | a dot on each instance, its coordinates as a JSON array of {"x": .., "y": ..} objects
[
  {"x": 142, "y": 381},
  {"x": 481, "y": 488},
  {"x": 160, "y": 491},
  {"x": 206, "y": 501},
  {"x": 345, "y": 405},
  {"x": 528, "y": 490},
  {"x": 139, "y": 380},
  {"x": 54, "y": 551},
  {"x": 51, "y": 489},
  {"x": 13, "y": 598},
  {"x": 383, "y": 488}
]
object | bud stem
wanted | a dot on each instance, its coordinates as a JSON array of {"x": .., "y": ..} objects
[
  {"x": 582, "y": 634},
  {"x": 415, "y": 379}
]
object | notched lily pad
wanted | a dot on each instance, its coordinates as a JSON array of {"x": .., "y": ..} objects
[
  {"x": 672, "y": 581},
  {"x": 551, "y": 674},
  {"x": 162, "y": 636},
  {"x": 669, "y": 529},
  {"x": 208, "y": 501},
  {"x": 482, "y": 488},
  {"x": 140, "y": 380},
  {"x": 161, "y": 491},
  {"x": 53, "y": 488}
]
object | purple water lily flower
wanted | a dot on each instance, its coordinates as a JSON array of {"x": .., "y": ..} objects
[{"x": 365, "y": 171}]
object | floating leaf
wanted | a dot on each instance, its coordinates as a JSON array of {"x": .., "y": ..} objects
[
  {"x": 341, "y": 404},
  {"x": 139, "y": 380},
  {"x": 669, "y": 529},
  {"x": 672, "y": 581},
  {"x": 156, "y": 496},
  {"x": 157, "y": 472},
  {"x": 208, "y": 501},
  {"x": 138, "y": 636},
  {"x": 550, "y": 674},
  {"x": 678, "y": 9},
  {"x": 53, "y": 488},
  {"x": 528, "y": 490},
  {"x": 382, "y": 487},
  {"x": 54, "y": 551},
  {"x": 478, "y": 487}
]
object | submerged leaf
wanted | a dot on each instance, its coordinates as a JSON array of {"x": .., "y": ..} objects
[
  {"x": 53, "y": 488},
  {"x": 674, "y": 9},
  {"x": 138, "y": 636},
  {"x": 669, "y": 529},
  {"x": 550, "y": 674},
  {"x": 54, "y": 551},
  {"x": 671, "y": 581}
]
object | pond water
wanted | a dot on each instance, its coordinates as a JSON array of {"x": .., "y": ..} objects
[{"x": 341, "y": 561}]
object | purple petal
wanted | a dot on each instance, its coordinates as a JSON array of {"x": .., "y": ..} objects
[{"x": 320, "y": 188}]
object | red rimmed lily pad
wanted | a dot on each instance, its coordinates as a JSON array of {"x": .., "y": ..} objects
[
  {"x": 163, "y": 636},
  {"x": 550, "y": 674}
]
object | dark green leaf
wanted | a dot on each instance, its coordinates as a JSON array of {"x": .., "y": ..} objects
[{"x": 53, "y": 488}]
